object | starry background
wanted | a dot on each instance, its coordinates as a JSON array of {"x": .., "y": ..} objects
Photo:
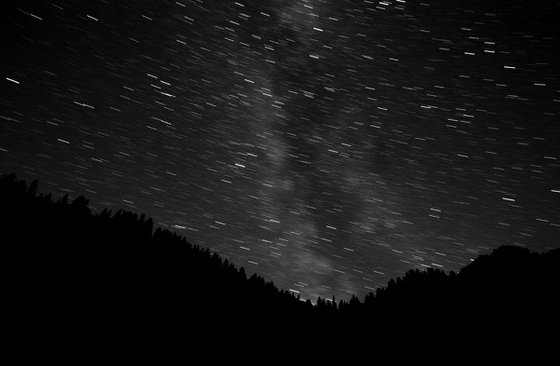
[{"x": 326, "y": 145}]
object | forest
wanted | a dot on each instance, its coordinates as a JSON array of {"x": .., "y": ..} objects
[{"x": 70, "y": 269}]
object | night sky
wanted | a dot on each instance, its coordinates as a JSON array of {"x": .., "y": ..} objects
[{"x": 327, "y": 145}]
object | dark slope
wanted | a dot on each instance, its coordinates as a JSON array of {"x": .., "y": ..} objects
[
  {"x": 68, "y": 271},
  {"x": 88, "y": 282},
  {"x": 509, "y": 287}
]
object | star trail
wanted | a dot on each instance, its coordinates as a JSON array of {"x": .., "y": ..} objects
[{"x": 326, "y": 145}]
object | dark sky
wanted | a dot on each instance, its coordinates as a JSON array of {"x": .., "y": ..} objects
[{"x": 328, "y": 145}]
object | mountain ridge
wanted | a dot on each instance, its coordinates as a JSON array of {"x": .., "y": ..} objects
[{"x": 69, "y": 267}]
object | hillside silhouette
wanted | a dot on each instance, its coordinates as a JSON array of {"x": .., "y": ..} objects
[{"x": 69, "y": 269}]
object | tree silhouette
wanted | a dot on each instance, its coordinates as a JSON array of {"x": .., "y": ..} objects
[{"x": 72, "y": 270}]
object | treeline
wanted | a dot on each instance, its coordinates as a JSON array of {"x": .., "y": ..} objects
[
  {"x": 61, "y": 253},
  {"x": 65, "y": 265}
]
